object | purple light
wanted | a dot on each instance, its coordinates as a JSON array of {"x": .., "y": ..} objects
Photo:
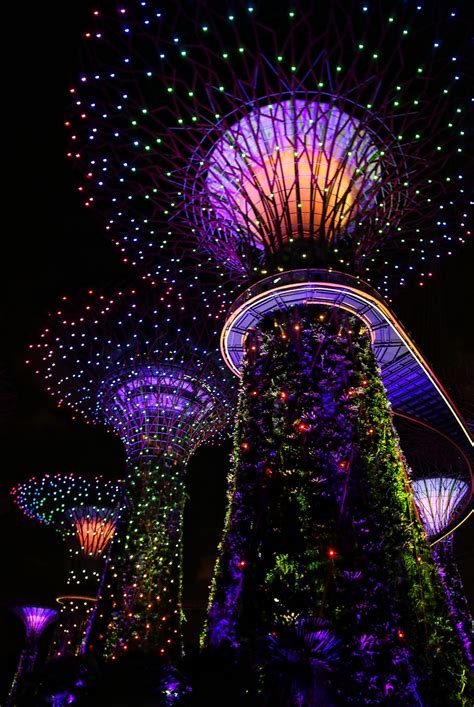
[
  {"x": 171, "y": 409},
  {"x": 36, "y": 618},
  {"x": 437, "y": 500},
  {"x": 294, "y": 167}
]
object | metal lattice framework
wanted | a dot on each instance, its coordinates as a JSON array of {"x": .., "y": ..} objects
[
  {"x": 441, "y": 474},
  {"x": 145, "y": 365},
  {"x": 36, "y": 618},
  {"x": 137, "y": 363},
  {"x": 73, "y": 505},
  {"x": 438, "y": 499},
  {"x": 334, "y": 128},
  {"x": 95, "y": 528}
]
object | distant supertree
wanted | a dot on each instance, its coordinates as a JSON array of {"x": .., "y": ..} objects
[
  {"x": 35, "y": 619},
  {"x": 274, "y": 137},
  {"x": 85, "y": 512},
  {"x": 135, "y": 362},
  {"x": 442, "y": 488}
]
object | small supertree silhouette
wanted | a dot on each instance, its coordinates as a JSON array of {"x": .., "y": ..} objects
[
  {"x": 35, "y": 620},
  {"x": 442, "y": 489},
  {"x": 84, "y": 512}
]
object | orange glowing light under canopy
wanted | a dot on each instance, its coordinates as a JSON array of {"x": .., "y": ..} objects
[
  {"x": 307, "y": 193},
  {"x": 94, "y": 528},
  {"x": 294, "y": 169}
]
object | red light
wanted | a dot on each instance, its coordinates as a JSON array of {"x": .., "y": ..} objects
[{"x": 331, "y": 553}]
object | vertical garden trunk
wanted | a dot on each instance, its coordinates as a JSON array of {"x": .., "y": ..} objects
[
  {"x": 321, "y": 523},
  {"x": 146, "y": 608}
]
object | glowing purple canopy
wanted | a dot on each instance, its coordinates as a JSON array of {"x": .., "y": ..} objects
[
  {"x": 36, "y": 618},
  {"x": 293, "y": 168}
]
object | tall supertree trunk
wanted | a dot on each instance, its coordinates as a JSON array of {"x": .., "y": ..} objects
[
  {"x": 146, "y": 609},
  {"x": 321, "y": 520}
]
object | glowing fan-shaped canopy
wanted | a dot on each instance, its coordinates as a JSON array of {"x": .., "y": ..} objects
[
  {"x": 164, "y": 409},
  {"x": 95, "y": 527},
  {"x": 437, "y": 500},
  {"x": 71, "y": 504},
  {"x": 145, "y": 362},
  {"x": 36, "y": 618},
  {"x": 294, "y": 168}
]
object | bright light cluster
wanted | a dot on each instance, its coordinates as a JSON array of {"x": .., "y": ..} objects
[
  {"x": 169, "y": 99},
  {"x": 137, "y": 363},
  {"x": 57, "y": 500},
  {"x": 36, "y": 618},
  {"x": 95, "y": 528},
  {"x": 293, "y": 169}
]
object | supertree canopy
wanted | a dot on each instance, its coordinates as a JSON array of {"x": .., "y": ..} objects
[
  {"x": 441, "y": 474},
  {"x": 73, "y": 506},
  {"x": 136, "y": 362},
  {"x": 324, "y": 136},
  {"x": 298, "y": 134},
  {"x": 85, "y": 511},
  {"x": 442, "y": 489},
  {"x": 36, "y": 619},
  {"x": 437, "y": 500}
]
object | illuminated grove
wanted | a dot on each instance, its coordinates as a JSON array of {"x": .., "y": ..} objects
[
  {"x": 85, "y": 512},
  {"x": 274, "y": 173},
  {"x": 135, "y": 362}
]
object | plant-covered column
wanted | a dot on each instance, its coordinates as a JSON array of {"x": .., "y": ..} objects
[
  {"x": 146, "y": 605},
  {"x": 321, "y": 523},
  {"x": 443, "y": 554}
]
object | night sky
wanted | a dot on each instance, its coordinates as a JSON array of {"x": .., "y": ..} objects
[{"x": 52, "y": 246}]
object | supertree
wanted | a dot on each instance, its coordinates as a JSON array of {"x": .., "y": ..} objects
[
  {"x": 85, "y": 512},
  {"x": 135, "y": 362},
  {"x": 35, "y": 619},
  {"x": 441, "y": 481},
  {"x": 329, "y": 137}
]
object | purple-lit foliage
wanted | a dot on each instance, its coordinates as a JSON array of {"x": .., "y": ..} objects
[
  {"x": 442, "y": 490},
  {"x": 321, "y": 519}
]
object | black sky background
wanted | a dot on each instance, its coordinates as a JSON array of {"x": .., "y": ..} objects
[{"x": 50, "y": 246}]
